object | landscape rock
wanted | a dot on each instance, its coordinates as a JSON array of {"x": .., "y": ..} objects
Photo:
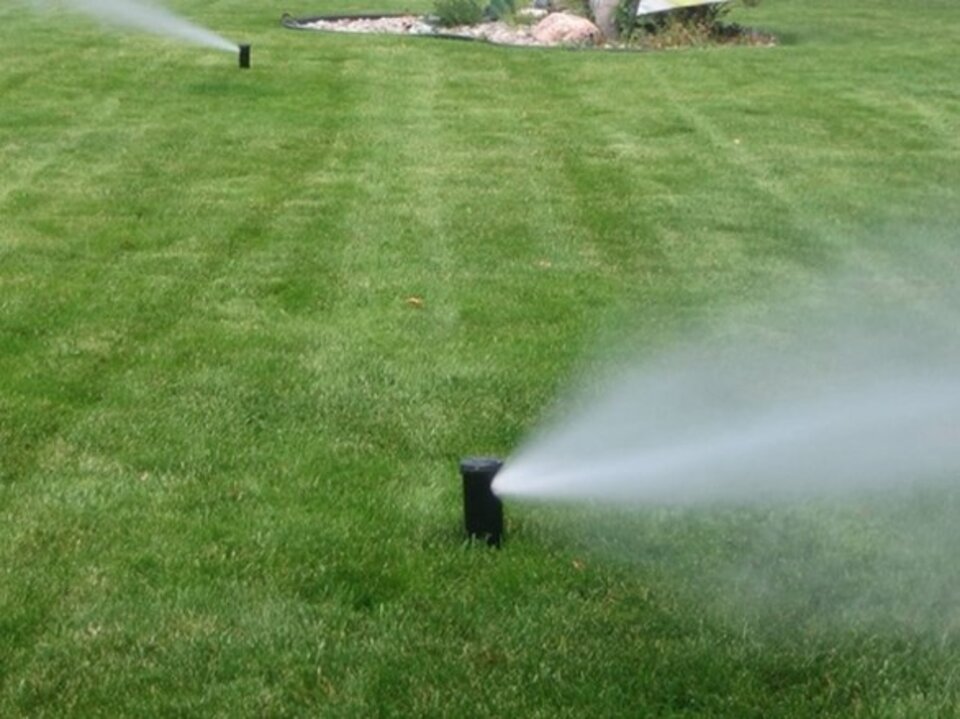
[
  {"x": 562, "y": 28},
  {"x": 532, "y": 13}
]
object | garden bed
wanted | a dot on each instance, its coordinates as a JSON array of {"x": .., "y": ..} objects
[{"x": 522, "y": 30}]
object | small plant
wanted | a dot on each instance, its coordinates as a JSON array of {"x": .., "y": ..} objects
[
  {"x": 626, "y": 17},
  {"x": 451, "y": 13},
  {"x": 574, "y": 7},
  {"x": 684, "y": 27},
  {"x": 499, "y": 9},
  {"x": 679, "y": 31}
]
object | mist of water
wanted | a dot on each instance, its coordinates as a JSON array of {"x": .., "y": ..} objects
[
  {"x": 789, "y": 470},
  {"x": 139, "y": 15},
  {"x": 848, "y": 396}
]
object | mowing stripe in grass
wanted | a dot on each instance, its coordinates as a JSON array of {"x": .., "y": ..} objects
[{"x": 229, "y": 441}]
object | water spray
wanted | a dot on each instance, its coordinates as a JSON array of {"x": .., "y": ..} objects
[
  {"x": 482, "y": 509},
  {"x": 146, "y": 16},
  {"x": 244, "y": 56}
]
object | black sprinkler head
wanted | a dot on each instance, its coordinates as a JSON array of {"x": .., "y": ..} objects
[
  {"x": 244, "y": 57},
  {"x": 482, "y": 510}
]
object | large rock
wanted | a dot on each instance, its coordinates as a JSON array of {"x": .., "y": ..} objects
[{"x": 561, "y": 28}]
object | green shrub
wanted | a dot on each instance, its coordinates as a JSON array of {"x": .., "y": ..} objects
[
  {"x": 499, "y": 9},
  {"x": 451, "y": 13},
  {"x": 626, "y": 17},
  {"x": 689, "y": 26},
  {"x": 574, "y": 7}
]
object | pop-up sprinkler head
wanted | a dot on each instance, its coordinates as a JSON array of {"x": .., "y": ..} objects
[
  {"x": 482, "y": 510},
  {"x": 244, "y": 57}
]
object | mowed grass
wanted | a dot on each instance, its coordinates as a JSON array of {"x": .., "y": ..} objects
[{"x": 249, "y": 322}]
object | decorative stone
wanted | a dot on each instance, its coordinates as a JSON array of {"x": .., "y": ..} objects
[
  {"x": 559, "y": 27},
  {"x": 533, "y": 13}
]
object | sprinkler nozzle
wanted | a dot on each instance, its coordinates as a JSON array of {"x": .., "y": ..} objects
[
  {"x": 244, "y": 57},
  {"x": 482, "y": 509}
]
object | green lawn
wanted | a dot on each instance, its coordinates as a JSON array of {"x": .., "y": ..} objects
[{"x": 229, "y": 439}]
